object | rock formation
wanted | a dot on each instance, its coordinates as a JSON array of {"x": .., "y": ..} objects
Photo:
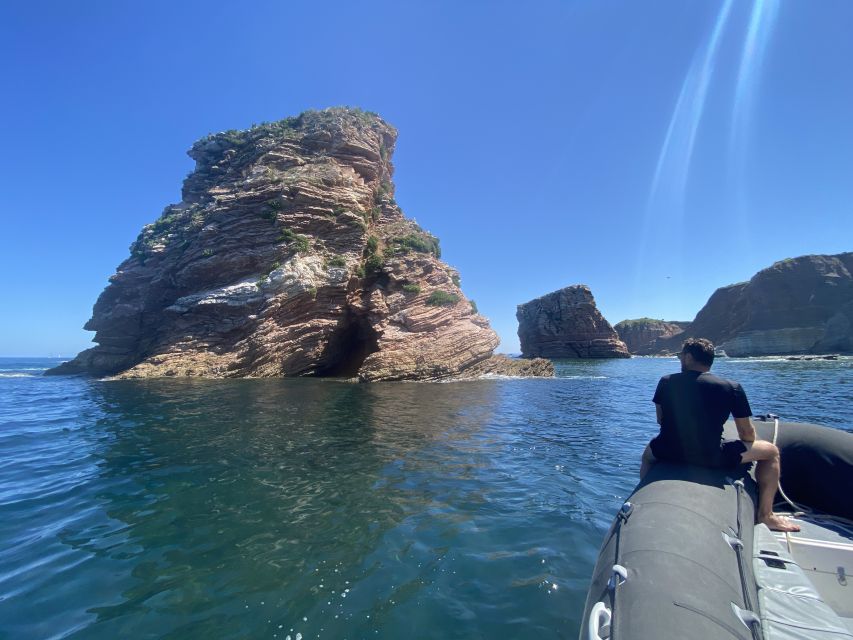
[
  {"x": 505, "y": 366},
  {"x": 641, "y": 335},
  {"x": 287, "y": 255},
  {"x": 567, "y": 324},
  {"x": 796, "y": 306}
]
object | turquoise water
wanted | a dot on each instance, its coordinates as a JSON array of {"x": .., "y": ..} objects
[{"x": 268, "y": 508}]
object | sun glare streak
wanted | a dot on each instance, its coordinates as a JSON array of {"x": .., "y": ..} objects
[
  {"x": 761, "y": 24},
  {"x": 665, "y": 206},
  {"x": 673, "y": 165}
]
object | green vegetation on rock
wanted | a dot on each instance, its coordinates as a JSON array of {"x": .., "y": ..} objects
[
  {"x": 298, "y": 242},
  {"x": 302, "y": 244},
  {"x": 238, "y": 138},
  {"x": 384, "y": 190},
  {"x": 170, "y": 229},
  {"x": 373, "y": 263},
  {"x": 411, "y": 288},
  {"x": 373, "y": 257},
  {"x": 269, "y": 214},
  {"x": 286, "y": 235},
  {"x": 442, "y": 298},
  {"x": 372, "y": 245},
  {"x": 419, "y": 241},
  {"x": 637, "y": 321}
]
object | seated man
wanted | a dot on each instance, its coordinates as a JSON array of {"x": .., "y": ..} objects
[{"x": 691, "y": 409}]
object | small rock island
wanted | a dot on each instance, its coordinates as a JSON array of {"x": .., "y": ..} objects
[
  {"x": 289, "y": 256},
  {"x": 567, "y": 324}
]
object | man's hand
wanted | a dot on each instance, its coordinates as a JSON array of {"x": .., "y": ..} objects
[{"x": 745, "y": 430}]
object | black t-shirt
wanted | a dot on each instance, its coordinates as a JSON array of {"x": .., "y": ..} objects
[{"x": 695, "y": 405}]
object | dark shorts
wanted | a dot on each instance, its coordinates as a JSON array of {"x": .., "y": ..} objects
[
  {"x": 727, "y": 456},
  {"x": 730, "y": 452}
]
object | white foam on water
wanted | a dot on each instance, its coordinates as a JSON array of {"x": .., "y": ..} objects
[
  {"x": 764, "y": 359},
  {"x": 18, "y": 375},
  {"x": 488, "y": 376}
]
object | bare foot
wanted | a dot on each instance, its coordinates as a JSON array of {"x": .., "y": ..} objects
[{"x": 778, "y": 523}]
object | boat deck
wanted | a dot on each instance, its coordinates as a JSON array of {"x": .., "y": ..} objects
[{"x": 817, "y": 563}]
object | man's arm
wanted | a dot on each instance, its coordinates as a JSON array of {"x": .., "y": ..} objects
[
  {"x": 745, "y": 429},
  {"x": 658, "y": 398},
  {"x": 741, "y": 412}
]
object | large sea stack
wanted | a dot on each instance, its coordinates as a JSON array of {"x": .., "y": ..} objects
[
  {"x": 287, "y": 255},
  {"x": 796, "y": 306},
  {"x": 642, "y": 334},
  {"x": 567, "y": 324}
]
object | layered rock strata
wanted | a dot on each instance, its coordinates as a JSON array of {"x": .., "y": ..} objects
[
  {"x": 567, "y": 324},
  {"x": 287, "y": 256},
  {"x": 642, "y": 334},
  {"x": 796, "y": 306}
]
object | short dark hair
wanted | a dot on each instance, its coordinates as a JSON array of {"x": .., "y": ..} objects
[{"x": 701, "y": 349}]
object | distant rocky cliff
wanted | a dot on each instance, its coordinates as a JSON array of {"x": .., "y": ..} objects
[
  {"x": 797, "y": 306},
  {"x": 567, "y": 324},
  {"x": 641, "y": 335},
  {"x": 288, "y": 255}
]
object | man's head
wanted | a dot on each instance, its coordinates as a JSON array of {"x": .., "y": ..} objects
[{"x": 697, "y": 354}]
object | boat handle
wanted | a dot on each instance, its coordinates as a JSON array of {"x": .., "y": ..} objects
[
  {"x": 619, "y": 575},
  {"x": 599, "y": 618}
]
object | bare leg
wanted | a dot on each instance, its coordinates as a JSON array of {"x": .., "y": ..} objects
[
  {"x": 647, "y": 461},
  {"x": 767, "y": 473}
]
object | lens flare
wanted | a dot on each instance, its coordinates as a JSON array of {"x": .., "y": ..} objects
[
  {"x": 761, "y": 23},
  {"x": 673, "y": 165}
]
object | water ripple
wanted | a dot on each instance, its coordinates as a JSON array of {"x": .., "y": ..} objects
[{"x": 267, "y": 508}]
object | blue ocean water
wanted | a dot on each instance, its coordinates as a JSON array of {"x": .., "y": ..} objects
[{"x": 321, "y": 509}]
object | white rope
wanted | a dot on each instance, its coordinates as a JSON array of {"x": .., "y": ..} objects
[
  {"x": 794, "y": 506},
  {"x": 800, "y": 510}
]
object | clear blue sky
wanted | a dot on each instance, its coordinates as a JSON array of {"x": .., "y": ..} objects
[{"x": 652, "y": 150}]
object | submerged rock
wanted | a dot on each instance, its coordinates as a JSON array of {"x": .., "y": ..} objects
[
  {"x": 287, "y": 256},
  {"x": 506, "y": 366},
  {"x": 567, "y": 324}
]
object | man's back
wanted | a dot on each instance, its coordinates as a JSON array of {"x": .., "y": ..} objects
[
  {"x": 691, "y": 409},
  {"x": 694, "y": 406}
]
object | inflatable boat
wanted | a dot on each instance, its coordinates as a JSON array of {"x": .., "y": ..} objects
[{"x": 685, "y": 560}]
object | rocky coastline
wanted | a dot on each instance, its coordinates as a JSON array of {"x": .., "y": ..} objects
[
  {"x": 798, "y": 306},
  {"x": 288, "y": 255}
]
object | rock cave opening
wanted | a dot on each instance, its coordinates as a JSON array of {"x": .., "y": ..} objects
[{"x": 349, "y": 348}]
